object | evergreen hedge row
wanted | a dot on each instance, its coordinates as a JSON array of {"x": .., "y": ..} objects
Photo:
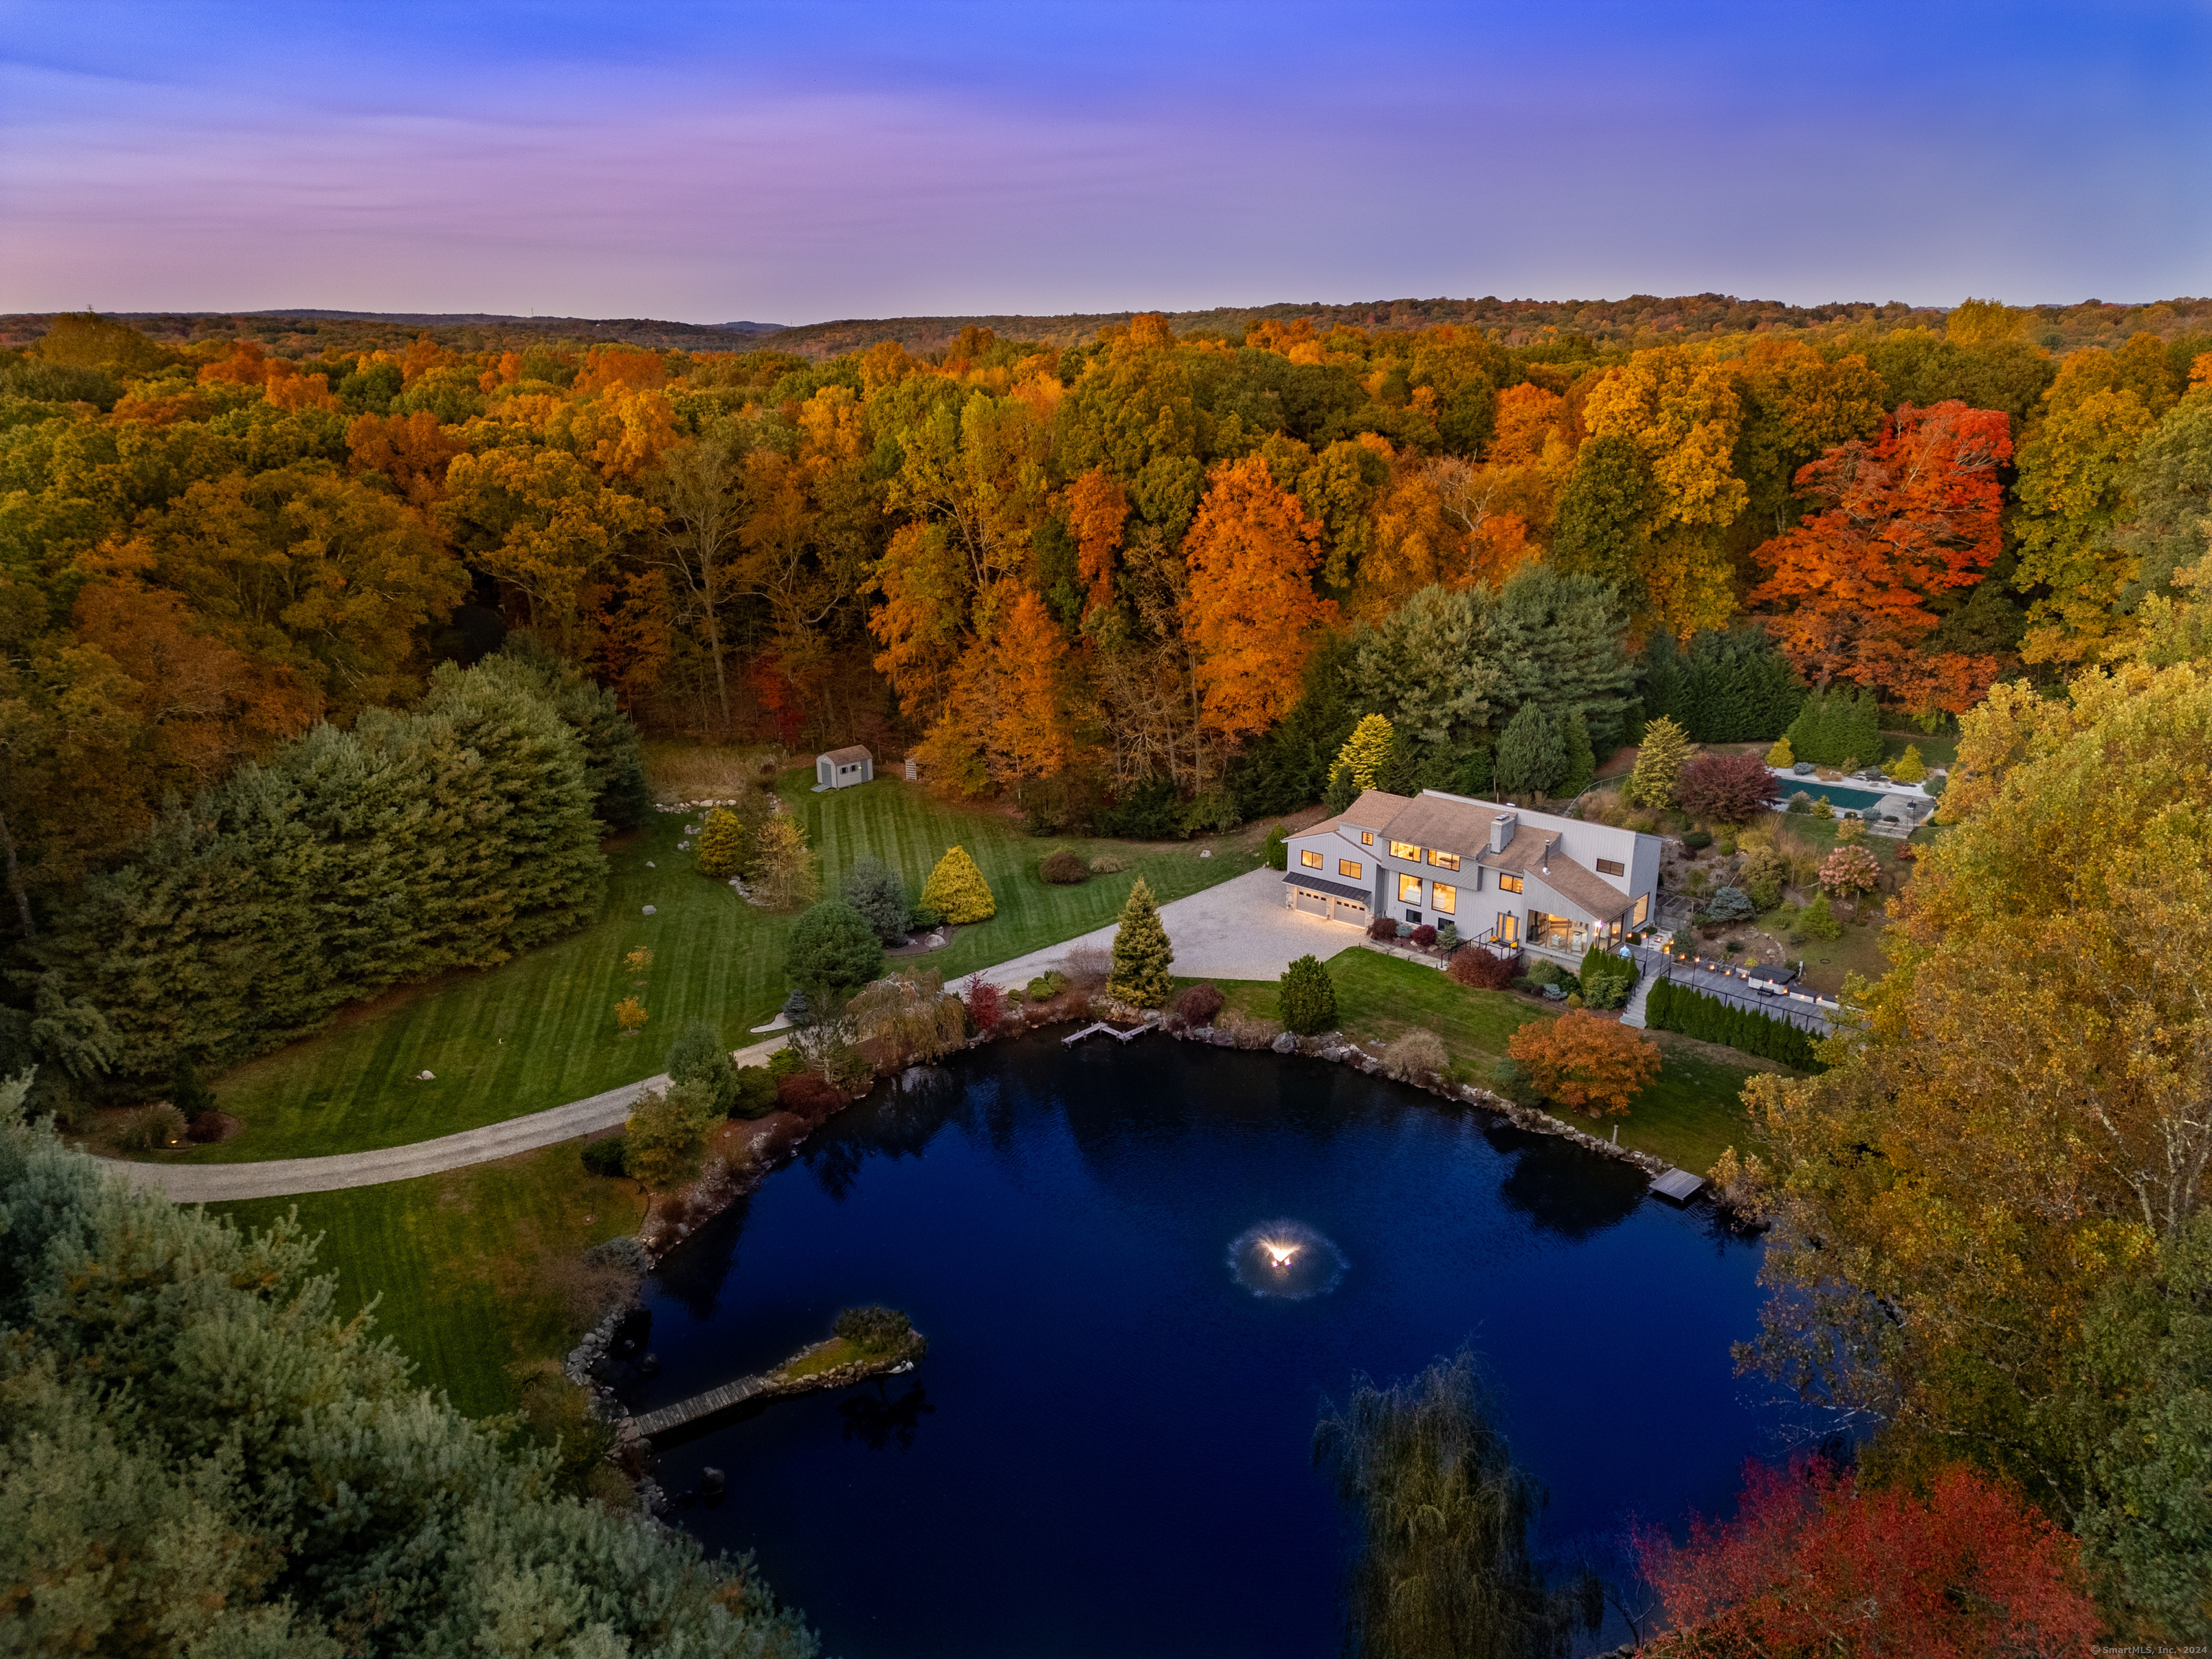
[
  {"x": 1683, "y": 1008},
  {"x": 455, "y": 836},
  {"x": 1840, "y": 725},
  {"x": 1732, "y": 685}
]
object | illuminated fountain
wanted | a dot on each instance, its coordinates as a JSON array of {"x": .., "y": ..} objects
[{"x": 1287, "y": 1261}]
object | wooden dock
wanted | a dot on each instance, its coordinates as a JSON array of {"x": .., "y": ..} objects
[
  {"x": 649, "y": 1424},
  {"x": 1679, "y": 1186},
  {"x": 1114, "y": 1032},
  {"x": 771, "y": 1385}
]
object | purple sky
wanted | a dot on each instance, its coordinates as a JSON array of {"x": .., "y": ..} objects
[{"x": 796, "y": 163}]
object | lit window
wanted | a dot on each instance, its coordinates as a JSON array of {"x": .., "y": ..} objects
[
  {"x": 1352, "y": 867},
  {"x": 1444, "y": 860},
  {"x": 1643, "y": 910},
  {"x": 1409, "y": 889},
  {"x": 1510, "y": 883},
  {"x": 1367, "y": 838},
  {"x": 1406, "y": 850},
  {"x": 1310, "y": 858},
  {"x": 1445, "y": 899},
  {"x": 1611, "y": 867}
]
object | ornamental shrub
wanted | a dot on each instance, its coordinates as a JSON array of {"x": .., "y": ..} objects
[
  {"x": 1067, "y": 869},
  {"x": 1824, "y": 808},
  {"x": 722, "y": 849},
  {"x": 1818, "y": 920},
  {"x": 1731, "y": 904},
  {"x": 1046, "y": 986},
  {"x": 1684, "y": 1008},
  {"x": 1725, "y": 788},
  {"x": 1697, "y": 840},
  {"x": 1446, "y": 937},
  {"x": 1197, "y": 1005},
  {"x": 872, "y": 888},
  {"x": 754, "y": 1095},
  {"x": 607, "y": 1157},
  {"x": 1478, "y": 970},
  {"x": 987, "y": 1004},
  {"x": 957, "y": 889},
  {"x": 1306, "y": 1000},
  {"x": 1660, "y": 759},
  {"x": 698, "y": 1057},
  {"x": 1277, "y": 848},
  {"x": 1425, "y": 936},
  {"x": 1800, "y": 802},
  {"x": 1910, "y": 768},
  {"x": 832, "y": 950},
  {"x": 1782, "y": 754},
  {"x": 1414, "y": 1055},
  {"x": 1382, "y": 930},
  {"x": 809, "y": 1096}
]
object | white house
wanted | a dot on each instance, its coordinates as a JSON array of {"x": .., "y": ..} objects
[
  {"x": 841, "y": 769},
  {"x": 1499, "y": 873}
]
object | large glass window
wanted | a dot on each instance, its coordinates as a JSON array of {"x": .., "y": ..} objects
[
  {"x": 1643, "y": 910},
  {"x": 1409, "y": 889},
  {"x": 1447, "y": 898},
  {"x": 1510, "y": 883},
  {"x": 1310, "y": 858},
  {"x": 1406, "y": 850},
  {"x": 1444, "y": 860},
  {"x": 1352, "y": 867}
]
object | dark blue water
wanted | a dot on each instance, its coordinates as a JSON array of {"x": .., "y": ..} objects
[{"x": 1108, "y": 1449}]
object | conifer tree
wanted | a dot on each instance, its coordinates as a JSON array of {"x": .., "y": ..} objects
[
  {"x": 1782, "y": 754},
  {"x": 784, "y": 870},
  {"x": 1530, "y": 754},
  {"x": 873, "y": 889},
  {"x": 1306, "y": 997},
  {"x": 1580, "y": 765},
  {"x": 1365, "y": 754},
  {"x": 721, "y": 844},
  {"x": 955, "y": 890},
  {"x": 1910, "y": 768},
  {"x": 1659, "y": 760},
  {"x": 1142, "y": 955}
]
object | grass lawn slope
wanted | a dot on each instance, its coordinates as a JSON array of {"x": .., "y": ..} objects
[
  {"x": 1691, "y": 1112},
  {"x": 540, "y": 1030}
]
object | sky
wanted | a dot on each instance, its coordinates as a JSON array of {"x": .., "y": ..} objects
[{"x": 800, "y": 163}]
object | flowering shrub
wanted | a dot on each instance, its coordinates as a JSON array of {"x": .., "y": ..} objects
[{"x": 1851, "y": 870}]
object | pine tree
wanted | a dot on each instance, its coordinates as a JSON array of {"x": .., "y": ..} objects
[
  {"x": 955, "y": 890},
  {"x": 1306, "y": 997},
  {"x": 722, "y": 846},
  {"x": 1659, "y": 760},
  {"x": 873, "y": 889},
  {"x": 784, "y": 870},
  {"x": 1781, "y": 754},
  {"x": 1910, "y": 768},
  {"x": 1531, "y": 755},
  {"x": 1580, "y": 765},
  {"x": 1142, "y": 955},
  {"x": 1365, "y": 753}
]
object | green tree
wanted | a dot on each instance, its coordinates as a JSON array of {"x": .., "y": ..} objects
[
  {"x": 329, "y": 1506},
  {"x": 1142, "y": 955},
  {"x": 1557, "y": 638},
  {"x": 1307, "y": 996},
  {"x": 1365, "y": 754},
  {"x": 700, "y": 1056},
  {"x": 784, "y": 870},
  {"x": 1428, "y": 666},
  {"x": 832, "y": 950},
  {"x": 1659, "y": 760},
  {"x": 665, "y": 1142},
  {"x": 873, "y": 889},
  {"x": 1580, "y": 766},
  {"x": 1445, "y": 1567},
  {"x": 1606, "y": 512},
  {"x": 722, "y": 850},
  {"x": 1531, "y": 756},
  {"x": 955, "y": 890}
]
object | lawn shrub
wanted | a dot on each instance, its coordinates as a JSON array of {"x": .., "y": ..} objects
[
  {"x": 1047, "y": 986},
  {"x": 808, "y": 1095},
  {"x": 149, "y": 1130},
  {"x": 1382, "y": 930},
  {"x": 833, "y": 949},
  {"x": 957, "y": 889},
  {"x": 1199, "y": 1004},
  {"x": 1108, "y": 863},
  {"x": 784, "y": 1062},
  {"x": 1800, "y": 802},
  {"x": 606, "y": 1157},
  {"x": 872, "y": 888},
  {"x": 755, "y": 1096},
  {"x": 1477, "y": 968},
  {"x": 1697, "y": 840},
  {"x": 1725, "y": 788},
  {"x": 1684, "y": 1008},
  {"x": 1307, "y": 1001},
  {"x": 1064, "y": 869},
  {"x": 1731, "y": 904},
  {"x": 1414, "y": 1055},
  {"x": 1277, "y": 848},
  {"x": 1818, "y": 920},
  {"x": 1425, "y": 936}
]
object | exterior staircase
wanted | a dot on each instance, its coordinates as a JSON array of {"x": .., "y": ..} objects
[{"x": 1633, "y": 1013}]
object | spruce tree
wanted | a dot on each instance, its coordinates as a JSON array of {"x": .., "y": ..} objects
[
  {"x": 1306, "y": 997},
  {"x": 1910, "y": 768},
  {"x": 1659, "y": 760},
  {"x": 955, "y": 890},
  {"x": 832, "y": 951},
  {"x": 1557, "y": 641},
  {"x": 722, "y": 849},
  {"x": 1781, "y": 755},
  {"x": 1142, "y": 955},
  {"x": 1531, "y": 755},
  {"x": 699, "y": 1056},
  {"x": 875, "y": 891},
  {"x": 1365, "y": 754},
  {"x": 1580, "y": 765}
]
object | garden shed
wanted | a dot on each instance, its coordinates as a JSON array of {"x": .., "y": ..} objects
[{"x": 841, "y": 769}]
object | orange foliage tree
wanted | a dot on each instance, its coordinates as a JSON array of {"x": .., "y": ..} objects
[
  {"x": 1909, "y": 516},
  {"x": 1003, "y": 722},
  {"x": 1585, "y": 1060},
  {"x": 1251, "y": 609},
  {"x": 1811, "y": 1565},
  {"x": 1097, "y": 507}
]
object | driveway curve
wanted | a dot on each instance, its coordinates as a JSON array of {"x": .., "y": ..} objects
[{"x": 1239, "y": 929}]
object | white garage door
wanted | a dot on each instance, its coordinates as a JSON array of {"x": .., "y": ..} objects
[
  {"x": 1314, "y": 904},
  {"x": 1348, "y": 911}
]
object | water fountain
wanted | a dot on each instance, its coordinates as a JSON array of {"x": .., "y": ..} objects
[{"x": 1285, "y": 1260}]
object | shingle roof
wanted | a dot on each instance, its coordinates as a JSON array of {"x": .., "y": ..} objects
[
  {"x": 1315, "y": 884},
  {"x": 847, "y": 757},
  {"x": 1374, "y": 810}
]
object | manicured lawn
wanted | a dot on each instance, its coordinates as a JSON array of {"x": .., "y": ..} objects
[
  {"x": 473, "y": 1271},
  {"x": 1688, "y": 1115},
  {"x": 539, "y": 1031},
  {"x": 1936, "y": 752}
]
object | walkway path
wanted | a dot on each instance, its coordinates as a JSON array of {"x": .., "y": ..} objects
[
  {"x": 1239, "y": 929},
  {"x": 283, "y": 1177}
]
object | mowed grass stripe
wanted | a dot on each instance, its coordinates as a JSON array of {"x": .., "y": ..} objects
[{"x": 539, "y": 1031}]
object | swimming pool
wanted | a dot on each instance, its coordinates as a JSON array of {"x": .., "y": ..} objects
[{"x": 1859, "y": 800}]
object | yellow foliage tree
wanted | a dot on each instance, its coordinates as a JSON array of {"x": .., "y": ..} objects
[{"x": 955, "y": 890}]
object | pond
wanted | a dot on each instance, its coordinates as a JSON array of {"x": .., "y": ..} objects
[{"x": 1108, "y": 1449}]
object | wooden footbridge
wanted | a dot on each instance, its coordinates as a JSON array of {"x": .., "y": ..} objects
[{"x": 1114, "y": 1032}]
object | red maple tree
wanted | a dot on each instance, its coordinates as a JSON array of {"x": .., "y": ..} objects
[
  {"x": 1811, "y": 1565},
  {"x": 1909, "y": 517}
]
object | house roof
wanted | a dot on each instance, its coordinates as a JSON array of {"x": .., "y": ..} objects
[
  {"x": 847, "y": 757},
  {"x": 1374, "y": 810},
  {"x": 1341, "y": 890}
]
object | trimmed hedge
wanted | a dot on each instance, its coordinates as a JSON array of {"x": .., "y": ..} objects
[{"x": 1683, "y": 1008}]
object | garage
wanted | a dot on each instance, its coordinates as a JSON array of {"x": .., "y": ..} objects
[{"x": 1332, "y": 900}]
